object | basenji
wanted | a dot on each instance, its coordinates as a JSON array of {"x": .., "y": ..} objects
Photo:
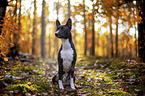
[{"x": 66, "y": 56}]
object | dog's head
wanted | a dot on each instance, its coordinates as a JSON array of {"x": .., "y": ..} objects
[{"x": 63, "y": 31}]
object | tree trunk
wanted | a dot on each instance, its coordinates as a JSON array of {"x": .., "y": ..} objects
[
  {"x": 15, "y": 14},
  {"x": 74, "y": 37},
  {"x": 141, "y": 30},
  {"x": 117, "y": 17},
  {"x": 49, "y": 45},
  {"x": 135, "y": 32},
  {"x": 29, "y": 50},
  {"x": 57, "y": 9},
  {"x": 85, "y": 29},
  {"x": 135, "y": 43},
  {"x": 34, "y": 30},
  {"x": 43, "y": 30},
  {"x": 69, "y": 13},
  {"x": 19, "y": 18},
  {"x": 93, "y": 34},
  {"x": 15, "y": 11},
  {"x": 108, "y": 47},
  {"x": 19, "y": 24},
  {"x": 3, "y": 5},
  {"x": 111, "y": 36},
  {"x": 103, "y": 47},
  {"x": 56, "y": 40}
]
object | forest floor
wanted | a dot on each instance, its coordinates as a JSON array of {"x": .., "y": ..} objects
[{"x": 94, "y": 77}]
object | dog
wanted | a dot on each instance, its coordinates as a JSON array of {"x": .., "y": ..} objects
[{"x": 66, "y": 56}]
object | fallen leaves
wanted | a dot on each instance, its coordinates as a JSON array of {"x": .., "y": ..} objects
[
  {"x": 6, "y": 58},
  {"x": 123, "y": 73},
  {"x": 125, "y": 88},
  {"x": 93, "y": 77}
]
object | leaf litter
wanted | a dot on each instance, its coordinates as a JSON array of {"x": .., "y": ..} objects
[{"x": 93, "y": 77}]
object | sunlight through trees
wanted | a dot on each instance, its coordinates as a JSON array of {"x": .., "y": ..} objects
[{"x": 100, "y": 27}]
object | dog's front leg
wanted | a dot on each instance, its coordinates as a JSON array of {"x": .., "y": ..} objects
[
  {"x": 60, "y": 77},
  {"x": 72, "y": 78}
]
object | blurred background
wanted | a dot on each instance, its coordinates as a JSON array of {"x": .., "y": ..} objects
[{"x": 102, "y": 28}]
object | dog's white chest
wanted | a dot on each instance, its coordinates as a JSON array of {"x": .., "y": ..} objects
[{"x": 66, "y": 54}]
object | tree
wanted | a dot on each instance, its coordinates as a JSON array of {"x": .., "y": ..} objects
[
  {"x": 15, "y": 10},
  {"x": 74, "y": 24},
  {"x": 117, "y": 17},
  {"x": 57, "y": 12},
  {"x": 49, "y": 45},
  {"x": 69, "y": 12},
  {"x": 3, "y": 5},
  {"x": 34, "y": 30},
  {"x": 57, "y": 8},
  {"x": 16, "y": 36},
  {"x": 107, "y": 7},
  {"x": 141, "y": 29},
  {"x": 135, "y": 31},
  {"x": 111, "y": 35},
  {"x": 43, "y": 30},
  {"x": 15, "y": 15},
  {"x": 19, "y": 24},
  {"x": 93, "y": 33},
  {"x": 85, "y": 29}
]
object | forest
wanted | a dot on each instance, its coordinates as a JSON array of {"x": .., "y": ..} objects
[{"x": 109, "y": 38}]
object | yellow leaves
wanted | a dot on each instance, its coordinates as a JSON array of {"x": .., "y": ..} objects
[
  {"x": 89, "y": 45},
  {"x": 17, "y": 27},
  {"x": 6, "y": 58},
  {"x": 139, "y": 20},
  {"x": 106, "y": 24}
]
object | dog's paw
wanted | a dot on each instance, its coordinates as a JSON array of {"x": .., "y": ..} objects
[
  {"x": 61, "y": 88},
  {"x": 72, "y": 84},
  {"x": 61, "y": 85},
  {"x": 73, "y": 88}
]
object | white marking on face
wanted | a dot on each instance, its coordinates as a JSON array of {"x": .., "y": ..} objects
[
  {"x": 60, "y": 84},
  {"x": 57, "y": 31},
  {"x": 66, "y": 54},
  {"x": 72, "y": 83}
]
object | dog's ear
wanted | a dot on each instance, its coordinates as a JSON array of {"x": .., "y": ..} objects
[
  {"x": 69, "y": 23},
  {"x": 57, "y": 23}
]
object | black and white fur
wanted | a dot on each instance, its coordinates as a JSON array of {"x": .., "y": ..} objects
[{"x": 66, "y": 56}]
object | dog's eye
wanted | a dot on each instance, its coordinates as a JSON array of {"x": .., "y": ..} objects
[{"x": 63, "y": 29}]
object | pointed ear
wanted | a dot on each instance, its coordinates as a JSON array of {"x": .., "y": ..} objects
[
  {"x": 69, "y": 23},
  {"x": 57, "y": 23}
]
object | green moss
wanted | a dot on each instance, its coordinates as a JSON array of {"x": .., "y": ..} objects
[
  {"x": 22, "y": 88},
  {"x": 103, "y": 77},
  {"x": 119, "y": 93}
]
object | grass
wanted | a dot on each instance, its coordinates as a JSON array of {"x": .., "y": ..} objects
[
  {"x": 114, "y": 77},
  {"x": 98, "y": 77}
]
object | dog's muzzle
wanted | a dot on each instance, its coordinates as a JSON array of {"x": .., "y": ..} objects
[{"x": 56, "y": 34}]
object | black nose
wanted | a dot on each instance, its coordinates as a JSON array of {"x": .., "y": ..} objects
[{"x": 56, "y": 34}]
